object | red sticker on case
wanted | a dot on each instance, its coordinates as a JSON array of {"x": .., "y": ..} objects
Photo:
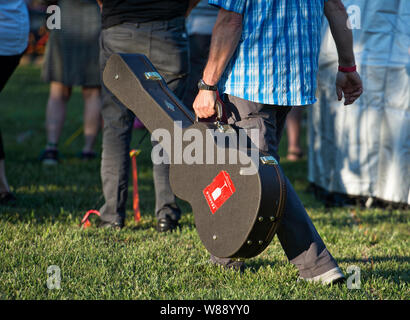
[{"x": 220, "y": 190}]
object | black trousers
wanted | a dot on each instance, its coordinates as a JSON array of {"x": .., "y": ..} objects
[
  {"x": 298, "y": 236},
  {"x": 7, "y": 66},
  {"x": 165, "y": 43}
]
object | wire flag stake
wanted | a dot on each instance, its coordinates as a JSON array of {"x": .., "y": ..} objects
[{"x": 85, "y": 222}]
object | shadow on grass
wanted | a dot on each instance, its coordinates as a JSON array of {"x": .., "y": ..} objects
[
  {"x": 391, "y": 274},
  {"x": 334, "y": 218},
  {"x": 145, "y": 225},
  {"x": 255, "y": 265},
  {"x": 399, "y": 259},
  {"x": 395, "y": 275}
]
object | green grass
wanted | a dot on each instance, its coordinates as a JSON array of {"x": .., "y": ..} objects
[{"x": 139, "y": 263}]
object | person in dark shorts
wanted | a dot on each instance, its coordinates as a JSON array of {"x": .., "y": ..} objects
[
  {"x": 71, "y": 59},
  {"x": 157, "y": 29},
  {"x": 14, "y": 30}
]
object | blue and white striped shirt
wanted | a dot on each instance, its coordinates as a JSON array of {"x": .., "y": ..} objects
[{"x": 277, "y": 58}]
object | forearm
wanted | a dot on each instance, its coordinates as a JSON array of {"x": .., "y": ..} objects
[
  {"x": 337, "y": 16},
  {"x": 225, "y": 39},
  {"x": 100, "y": 4}
]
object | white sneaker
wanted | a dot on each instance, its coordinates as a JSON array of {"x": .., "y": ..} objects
[{"x": 332, "y": 276}]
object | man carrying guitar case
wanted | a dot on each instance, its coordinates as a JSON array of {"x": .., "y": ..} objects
[{"x": 264, "y": 59}]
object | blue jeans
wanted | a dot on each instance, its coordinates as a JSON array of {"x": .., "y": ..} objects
[{"x": 165, "y": 43}]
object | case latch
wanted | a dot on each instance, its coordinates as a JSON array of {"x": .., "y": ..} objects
[
  {"x": 269, "y": 160},
  {"x": 155, "y": 76}
]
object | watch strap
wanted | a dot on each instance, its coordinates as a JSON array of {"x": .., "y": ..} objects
[{"x": 203, "y": 86}]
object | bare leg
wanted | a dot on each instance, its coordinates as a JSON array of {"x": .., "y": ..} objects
[
  {"x": 6, "y": 197},
  {"x": 56, "y": 111},
  {"x": 9, "y": 64},
  {"x": 293, "y": 132},
  {"x": 4, "y": 187},
  {"x": 92, "y": 117}
]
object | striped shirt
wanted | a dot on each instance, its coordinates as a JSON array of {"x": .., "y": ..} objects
[{"x": 277, "y": 57}]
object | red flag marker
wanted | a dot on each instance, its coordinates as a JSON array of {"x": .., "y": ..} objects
[
  {"x": 85, "y": 222},
  {"x": 136, "y": 202}
]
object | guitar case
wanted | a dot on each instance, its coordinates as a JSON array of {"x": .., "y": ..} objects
[{"x": 237, "y": 205}]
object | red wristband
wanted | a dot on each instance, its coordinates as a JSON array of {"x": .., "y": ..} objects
[{"x": 347, "y": 69}]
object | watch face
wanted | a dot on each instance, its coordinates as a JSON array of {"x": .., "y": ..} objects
[{"x": 202, "y": 85}]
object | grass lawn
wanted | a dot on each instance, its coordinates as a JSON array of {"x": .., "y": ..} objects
[{"x": 137, "y": 262}]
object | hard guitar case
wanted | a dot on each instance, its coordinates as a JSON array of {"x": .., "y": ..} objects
[{"x": 236, "y": 213}]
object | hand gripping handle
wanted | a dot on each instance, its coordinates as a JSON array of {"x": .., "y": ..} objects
[{"x": 219, "y": 112}]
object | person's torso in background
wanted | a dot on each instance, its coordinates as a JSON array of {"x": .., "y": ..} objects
[
  {"x": 202, "y": 19},
  {"x": 14, "y": 27},
  {"x": 138, "y": 11}
]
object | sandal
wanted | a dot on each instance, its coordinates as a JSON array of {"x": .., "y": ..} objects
[{"x": 294, "y": 155}]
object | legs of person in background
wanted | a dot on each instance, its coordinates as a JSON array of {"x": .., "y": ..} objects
[
  {"x": 115, "y": 161},
  {"x": 293, "y": 121},
  {"x": 4, "y": 186},
  {"x": 6, "y": 197},
  {"x": 56, "y": 111},
  {"x": 164, "y": 43},
  {"x": 92, "y": 120},
  {"x": 166, "y": 209},
  {"x": 55, "y": 117},
  {"x": 7, "y": 66}
]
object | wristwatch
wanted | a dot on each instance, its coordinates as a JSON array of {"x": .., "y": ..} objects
[{"x": 203, "y": 86}]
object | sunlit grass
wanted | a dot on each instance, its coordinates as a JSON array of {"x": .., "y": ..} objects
[{"x": 138, "y": 263}]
